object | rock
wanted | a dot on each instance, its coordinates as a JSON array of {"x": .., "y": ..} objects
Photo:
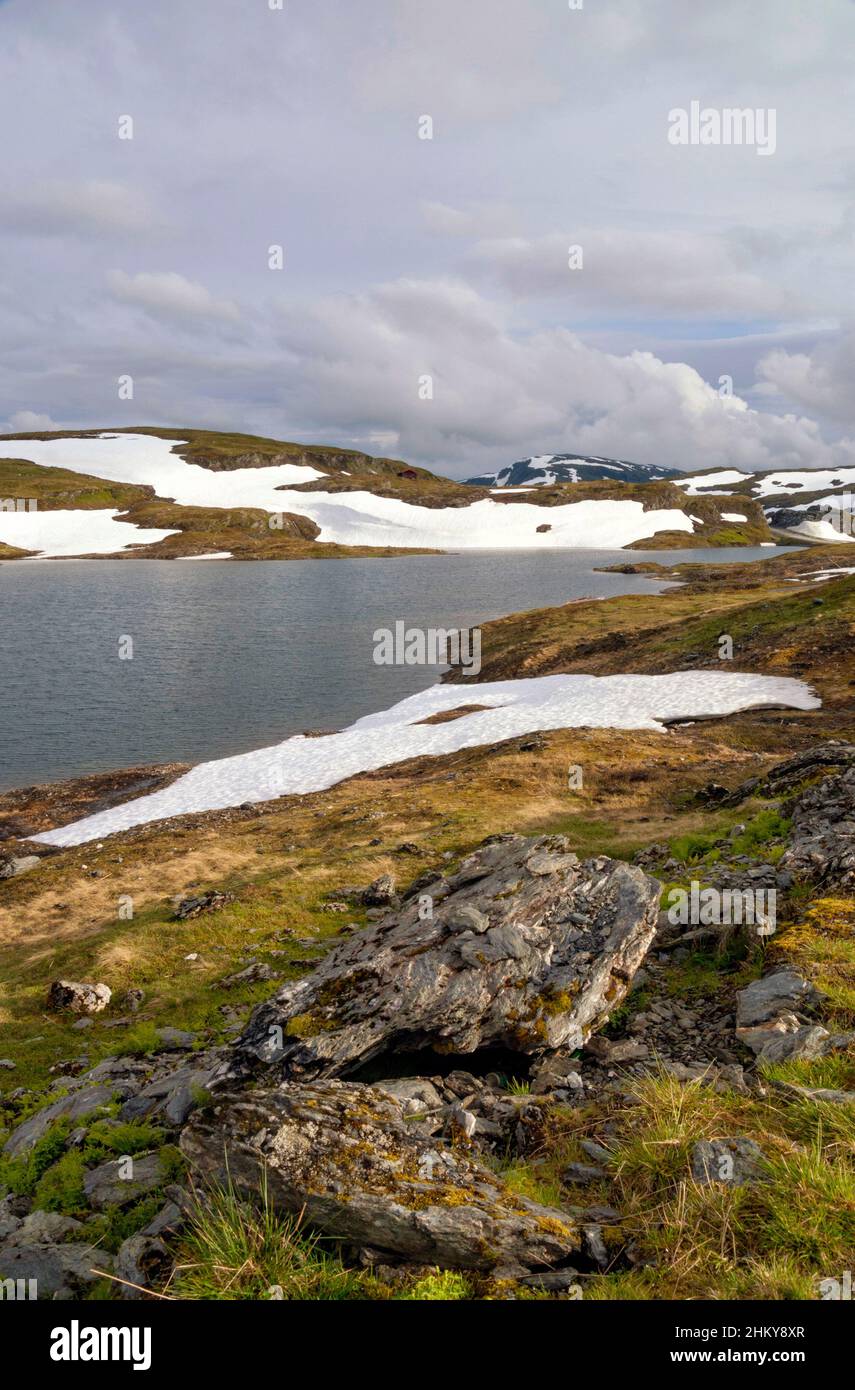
[
  {"x": 562, "y": 943},
  {"x": 380, "y": 893},
  {"x": 773, "y": 1006},
  {"x": 170, "y": 1097},
  {"x": 174, "y": 1040},
  {"x": 6, "y": 1064},
  {"x": 778, "y": 992},
  {"x": 12, "y": 867},
  {"x": 71, "y": 997},
  {"x": 595, "y": 1246},
  {"x": 343, "y": 1154},
  {"x": 808, "y": 1041},
  {"x": 822, "y": 839},
  {"x": 607, "y": 1051},
  {"x": 59, "y": 1271},
  {"x": 595, "y": 1151},
  {"x": 169, "y": 1219},
  {"x": 555, "y": 1281},
  {"x": 106, "y": 1187},
  {"x": 133, "y": 999},
  {"x": 143, "y": 1261},
  {"x": 583, "y": 1173},
  {"x": 820, "y": 1093},
  {"x": 253, "y": 975},
  {"x": 420, "y": 1101},
  {"x": 188, "y": 908},
  {"x": 75, "y": 1106},
  {"x": 44, "y": 1228},
  {"x": 734, "y": 1161}
]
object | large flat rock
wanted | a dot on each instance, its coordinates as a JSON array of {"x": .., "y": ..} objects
[
  {"x": 345, "y": 1156},
  {"x": 525, "y": 948}
]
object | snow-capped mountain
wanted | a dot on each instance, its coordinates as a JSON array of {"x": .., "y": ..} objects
[{"x": 542, "y": 469}]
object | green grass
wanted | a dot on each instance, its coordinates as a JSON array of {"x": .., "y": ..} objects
[{"x": 238, "y": 1251}]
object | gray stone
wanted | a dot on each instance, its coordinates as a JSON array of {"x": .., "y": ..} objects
[
  {"x": 733, "y": 1161},
  {"x": 169, "y": 1219},
  {"x": 71, "y": 996},
  {"x": 60, "y": 1271},
  {"x": 105, "y": 1187},
  {"x": 44, "y": 1228},
  {"x": 11, "y": 868},
  {"x": 143, "y": 1262},
  {"x": 75, "y": 1106},
  {"x": 583, "y": 1173},
  {"x": 343, "y": 1155},
  {"x": 533, "y": 981}
]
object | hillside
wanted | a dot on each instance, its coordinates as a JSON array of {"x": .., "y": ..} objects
[
  {"x": 588, "y": 1171},
  {"x": 811, "y": 504},
  {"x": 152, "y": 494}
]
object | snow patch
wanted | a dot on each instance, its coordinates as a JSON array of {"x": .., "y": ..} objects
[
  {"x": 56, "y": 534},
  {"x": 353, "y": 518},
  {"x": 300, "y": 765}
]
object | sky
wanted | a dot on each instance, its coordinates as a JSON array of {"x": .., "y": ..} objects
[{"x": 426, "y": 307}]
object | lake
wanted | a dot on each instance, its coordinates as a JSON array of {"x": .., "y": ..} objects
[{"x": 232, "y": 656}]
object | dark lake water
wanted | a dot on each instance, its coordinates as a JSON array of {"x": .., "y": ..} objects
[{"x": 228, "y": 657}]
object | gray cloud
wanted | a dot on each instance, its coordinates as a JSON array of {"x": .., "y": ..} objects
[{"x": 447, "y": 256}]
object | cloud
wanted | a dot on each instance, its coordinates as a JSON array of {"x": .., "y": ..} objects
[
  {"x": 89, "y": 207},
  {"x": 819, "y": 381},
  {"x": 28, "y": 422},
  {"x": 499, "y": 394},
  {"x": 166, "y": 294},
  {"x": 680, "y": 274}
]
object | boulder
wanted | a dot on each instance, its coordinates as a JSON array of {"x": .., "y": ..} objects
[
  {"x": 58, "y": 1271},
  {"x": 525, "y": 948},
  {"x": 44, "y": 1228},
  {"x": 11, "y": 866},
  {"x": 345, "y": 1156},
  {"x": 75, "y": 1106},
  {"x": 68, "y": 996},
  {"x": 105, "y": 1186},
  {"x": 773, "y": 1017},
  {"x": 734, "y": 1161},
  {"x": 142, "y": 1262}
]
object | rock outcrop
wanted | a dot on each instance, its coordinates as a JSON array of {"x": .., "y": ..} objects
[
  {"x": 822, "y": 840},
  {"x": 345, "y": 1155},
  {"x": 524, "y": 948}
]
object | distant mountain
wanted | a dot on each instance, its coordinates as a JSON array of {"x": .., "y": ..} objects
[{"x": 543, "y": 469}]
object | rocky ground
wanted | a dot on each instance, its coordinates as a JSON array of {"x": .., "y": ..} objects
[{"x": 345, "y": 1046}]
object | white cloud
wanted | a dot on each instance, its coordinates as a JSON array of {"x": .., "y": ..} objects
[
  {"x": 170, "y": 295},
  {"x": 28, "y": 422},
  {"x": 819, "y": 381},
  {"x": 500, "y": 394}
]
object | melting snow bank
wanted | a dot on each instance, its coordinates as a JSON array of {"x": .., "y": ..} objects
[
  {"x": 516, "y": 707},
  {"x": 58, "y": 534}
]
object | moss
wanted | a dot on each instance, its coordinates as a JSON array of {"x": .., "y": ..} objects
[
  {"x": 308, "y": 1026},
  {"x": 61, "y": 1187},
  {"x": 21, "y": 1175}
]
